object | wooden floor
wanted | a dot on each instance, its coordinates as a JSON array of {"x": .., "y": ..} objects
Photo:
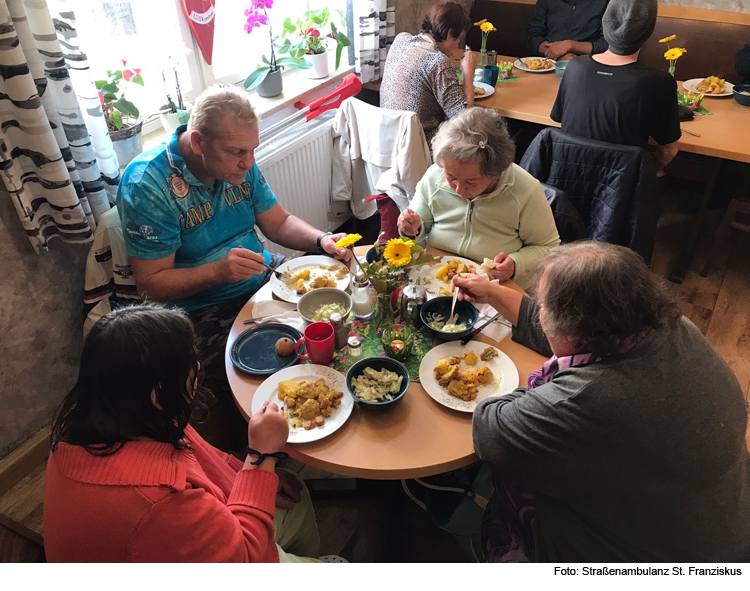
[{"x": 382, "y": 524}]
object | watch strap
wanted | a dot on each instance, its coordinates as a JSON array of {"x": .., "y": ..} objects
[{"x": 320, "y": 239}]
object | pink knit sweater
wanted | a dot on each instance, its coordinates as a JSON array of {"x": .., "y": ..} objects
[{"x": 152, "y": 503}]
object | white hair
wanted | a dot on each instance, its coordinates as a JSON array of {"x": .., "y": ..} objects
[
  {"x": 215, "y": 103},
  {"x": 476, "y": 135}
]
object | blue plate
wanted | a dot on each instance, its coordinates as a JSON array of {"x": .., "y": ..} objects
[{"x": 254, "y": 351}]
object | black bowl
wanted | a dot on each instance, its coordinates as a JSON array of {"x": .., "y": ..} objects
[
  {"x": 373, "y": 255},
  {"x": 467, "y": 315},
  {"x": 378, "y": 363},
  {"x": 742, "y": 99}
]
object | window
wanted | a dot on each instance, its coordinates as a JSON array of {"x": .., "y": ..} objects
[
  {"x": 237, "y": 54},
  {"x": 149, "y": 36},
  {"x": 154, "y": 35}
]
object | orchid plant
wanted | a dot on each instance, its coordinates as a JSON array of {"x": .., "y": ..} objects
[
  {"x": 255, "y": 17},
  {"x": 116, "y": 108},
  {"x": 310, "y": 29}
]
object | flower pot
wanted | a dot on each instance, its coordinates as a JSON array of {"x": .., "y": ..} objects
[
  {"x": 169, "y": 121},
  {"x": 271, "y": 86},
  {"x": 319, "y": 63},
  {"x": 128, "y": 143}
]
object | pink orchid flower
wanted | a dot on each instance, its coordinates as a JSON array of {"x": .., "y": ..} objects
[
  {"x": 261, "y": 4},
  {"x": 254, "y": 20}
]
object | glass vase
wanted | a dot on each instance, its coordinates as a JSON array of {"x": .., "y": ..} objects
[
  {"x": 482, "y": 59},
  {"x": 384, "y": 317}
]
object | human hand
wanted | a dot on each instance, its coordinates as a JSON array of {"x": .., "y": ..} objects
[
  {"x": 289, "y": 491},
  {"x": 469, "y": 64},
  {"x": 328, "y": 244},
  {"x": 559, "y": 48},
  {"x": 409, "y": 222},
  {"x": 505, "y": 267},
  {"x": 473, "y": 288},
  {"x": 567, "y": 56},
  {"x": 239, "y": 264},
  {"x": 267, "y": 429}
]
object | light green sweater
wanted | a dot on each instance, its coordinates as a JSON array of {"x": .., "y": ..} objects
[{"x": 515, "y": 219}]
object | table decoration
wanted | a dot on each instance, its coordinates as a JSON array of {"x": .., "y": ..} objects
[{"x": 487, "y": 28}]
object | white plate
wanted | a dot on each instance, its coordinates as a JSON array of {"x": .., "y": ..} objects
[
  {"x": 518, "y": 64},
  {"x": 504, "y": 370},
  {"x": 288, "y": 292},
  {"x": 425, "y": 275},
  {"x": 692, "y": 86},
  {"x": 269, "y": 390},
  {"x": 489, "y": 91}
]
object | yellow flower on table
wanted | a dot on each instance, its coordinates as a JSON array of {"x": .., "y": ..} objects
[
  {"x": 668, "y": 39},
  {"x": 480, "y": 23},
  {"x": 675, "y": 53},
  {"x": 348, "y": 240},
  {"x": 397, "y": 252},
  {"x": 488, "y": 27}
]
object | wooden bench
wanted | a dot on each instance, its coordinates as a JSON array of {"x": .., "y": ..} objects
[{"x": 712, "y": 37}]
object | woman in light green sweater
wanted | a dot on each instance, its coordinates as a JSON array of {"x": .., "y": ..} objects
[{"x": 477, "y": 203}]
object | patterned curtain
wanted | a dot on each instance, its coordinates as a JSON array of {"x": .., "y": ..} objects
[
  {"x": 374, "y": 30},
  {"x": 57, "y": 164}
]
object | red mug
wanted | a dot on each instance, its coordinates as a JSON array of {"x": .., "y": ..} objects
[{"x": 318, "y": 339}]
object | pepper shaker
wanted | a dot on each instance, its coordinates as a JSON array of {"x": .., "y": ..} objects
[{"x": 340, "y": 331}]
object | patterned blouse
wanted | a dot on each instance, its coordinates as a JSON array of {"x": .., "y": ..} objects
[{"x": 419, "y": 78}]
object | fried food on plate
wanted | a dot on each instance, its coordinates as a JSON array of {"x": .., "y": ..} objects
[
  {"x": 462, "y": 383},
  {"x": 712, "y": 85},
  {"x": 308, "y": 404},
  {"x": 452, "y": 268},
  {"x": 538, "y": 64}
]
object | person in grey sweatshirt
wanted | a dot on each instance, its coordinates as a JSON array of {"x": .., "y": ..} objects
[{"x": 629, "y": 445}]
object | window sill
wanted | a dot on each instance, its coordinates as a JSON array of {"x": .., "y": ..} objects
[{"x": 297, "y": 87}]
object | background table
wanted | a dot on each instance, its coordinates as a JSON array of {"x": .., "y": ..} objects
[
  {"x": 418, "y": 437},
  {"x": 723, "y": 134}
]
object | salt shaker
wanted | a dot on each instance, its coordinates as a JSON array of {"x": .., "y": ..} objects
[
  {"x": 340, "y": 331},
  {"x": 355, "y": 349},
  {"x": 363, "y": 301}
]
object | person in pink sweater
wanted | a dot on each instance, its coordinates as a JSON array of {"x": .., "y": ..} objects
[{"x": 128, "y": 478}]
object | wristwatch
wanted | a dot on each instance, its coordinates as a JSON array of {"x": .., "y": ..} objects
[
  {"x": 320, "y": 238},
  {"x": 279, "y": 455}
]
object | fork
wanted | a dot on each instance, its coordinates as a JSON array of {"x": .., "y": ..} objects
[{"x": 278, "y": 274}]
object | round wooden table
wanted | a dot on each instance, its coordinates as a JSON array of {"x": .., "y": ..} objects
[{"x": 417, "y": 438}]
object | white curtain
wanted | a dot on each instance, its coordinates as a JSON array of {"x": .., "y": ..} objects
[
  {"x": 374, "y": 30},
  {"x": 60, "y": 178}
]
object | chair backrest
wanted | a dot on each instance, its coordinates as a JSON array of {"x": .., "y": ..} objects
[
  {"x": 570, "y": 225},
  {"x": 611, "y": 186},
  {"x": 712, "y": 37}
]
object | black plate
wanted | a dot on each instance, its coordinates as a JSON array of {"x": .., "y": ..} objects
[{"x": 254, "y": 351}]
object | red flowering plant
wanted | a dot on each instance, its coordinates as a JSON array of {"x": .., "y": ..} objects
[
  {"x": 310, "y": 30},
  {"x": 118, "y": 111},
  {"x": 255, "y": 17}
]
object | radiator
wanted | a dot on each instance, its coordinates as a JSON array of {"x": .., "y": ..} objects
[{"x": 297, "y": 167}]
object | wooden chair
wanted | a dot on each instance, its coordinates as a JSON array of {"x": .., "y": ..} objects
[{"x": 739, "y": 205}]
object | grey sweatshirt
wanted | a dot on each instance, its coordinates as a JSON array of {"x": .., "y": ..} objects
[
  {"x": 638, "y": 458},
  {"x": 559, "y": 20}
]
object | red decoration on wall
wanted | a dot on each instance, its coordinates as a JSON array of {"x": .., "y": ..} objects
[{"x": 200, "y": 15}]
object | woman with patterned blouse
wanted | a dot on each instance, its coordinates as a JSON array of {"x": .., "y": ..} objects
[{"x": 419, "y": 75}]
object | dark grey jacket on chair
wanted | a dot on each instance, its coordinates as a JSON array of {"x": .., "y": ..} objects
[
  {"x": 569, "y": 223},
  {"x": 613, "y": 187}
]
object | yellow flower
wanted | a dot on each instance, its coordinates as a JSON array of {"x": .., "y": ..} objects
[
  {"x": 668, "y": 39},
  {"x": 397, "y": 252},
  {"x": 348, "y": 240},
  {"x": 488, "y": 28},
  {"x": 675, "y": 53},
  {"x": 480, "y": 23}
]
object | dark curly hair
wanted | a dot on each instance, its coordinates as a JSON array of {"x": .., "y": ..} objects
[
  {"x": 599, "y": 295},
  {"x": 445, "y": 19},
  {"x": 130, "y": 353}
]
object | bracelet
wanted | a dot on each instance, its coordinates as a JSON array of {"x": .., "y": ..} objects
[
  {"x": 320, "y": 238},
  {"x": 279, "y": 455}
]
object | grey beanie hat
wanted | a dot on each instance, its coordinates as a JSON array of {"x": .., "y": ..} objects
[{"x": 627, "y": 24}]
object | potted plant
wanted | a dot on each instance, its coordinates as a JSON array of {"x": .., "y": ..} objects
[
  {"x": 312, "y": 44},
  {"x": 122, "y": 116},
  {"x": 267, "y": 77}
]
